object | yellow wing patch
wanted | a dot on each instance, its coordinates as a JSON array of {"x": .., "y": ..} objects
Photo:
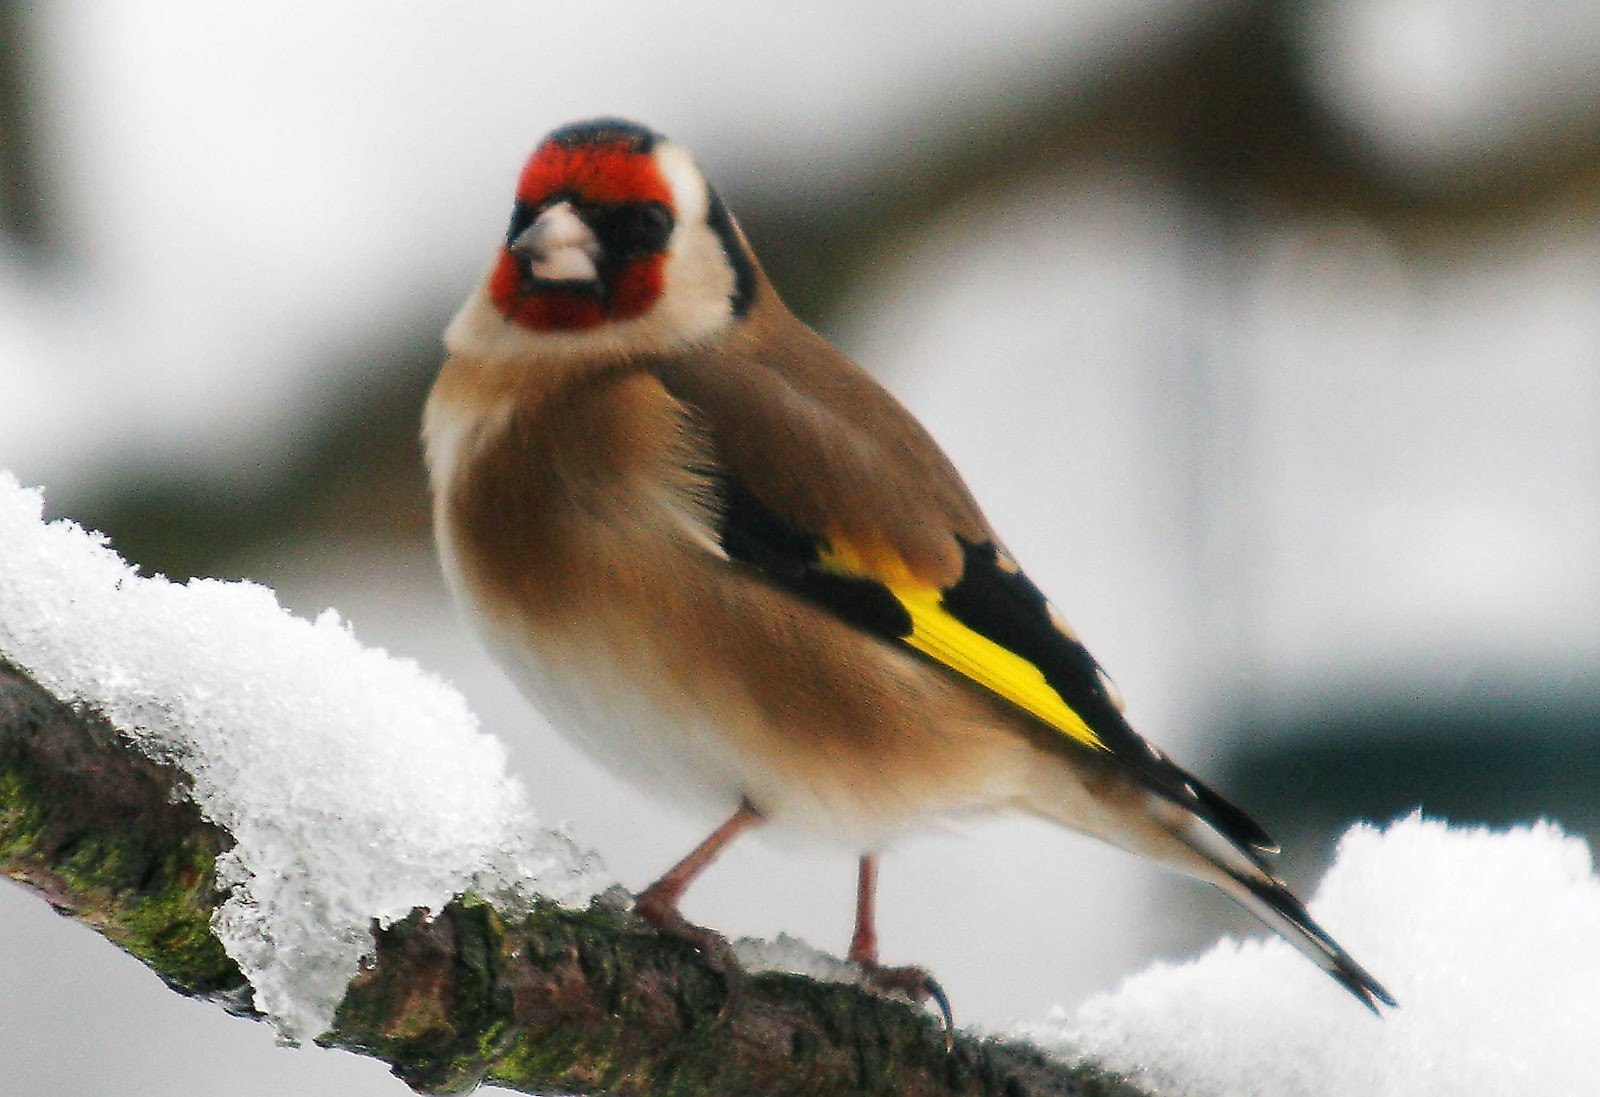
[{"x": 940, "y": 635}]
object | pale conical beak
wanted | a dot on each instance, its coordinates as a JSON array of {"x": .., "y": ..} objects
[{"x": 559, "y": 246}]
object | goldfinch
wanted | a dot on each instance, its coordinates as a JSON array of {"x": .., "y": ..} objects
[{"x": 728, "y": 563}]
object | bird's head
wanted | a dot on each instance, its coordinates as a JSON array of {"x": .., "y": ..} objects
[{"x": 616, "y": 241}]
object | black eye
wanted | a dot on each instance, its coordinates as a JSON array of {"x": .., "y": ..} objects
[
  {"x": 635, "y": 228},
  {"x": 654, "y": 226}
]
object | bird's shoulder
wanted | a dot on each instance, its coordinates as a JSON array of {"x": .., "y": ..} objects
[{"x": 808, "y": 437}]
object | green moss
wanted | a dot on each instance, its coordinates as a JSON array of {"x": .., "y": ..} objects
[
  {"x": 170, "y": 928},
  {"x": 17, "y": 822},
  {"x": 538, "y": 1060},
  {"x": 154, "y": 903}
]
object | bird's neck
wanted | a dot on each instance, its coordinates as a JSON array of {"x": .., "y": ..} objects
[{"x": 480, "y": 331}]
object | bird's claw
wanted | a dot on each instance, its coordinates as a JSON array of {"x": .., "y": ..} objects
[
  {"x": 714, "y": 949},
  {"x": 913, "y": 983}
]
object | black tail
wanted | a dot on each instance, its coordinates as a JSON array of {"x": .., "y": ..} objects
[{"x": 1272, "y": 902}]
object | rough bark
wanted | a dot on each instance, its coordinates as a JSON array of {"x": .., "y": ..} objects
[{"x": 546, "y": 1001}]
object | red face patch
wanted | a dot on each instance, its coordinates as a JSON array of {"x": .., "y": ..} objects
[
  {"x": 592, "y": 176},
  {"x": 598, "y": 173},
  {"x": 633, "y": 288}
]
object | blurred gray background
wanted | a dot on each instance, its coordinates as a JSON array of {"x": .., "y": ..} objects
[{"x": 1267, "y": 333}]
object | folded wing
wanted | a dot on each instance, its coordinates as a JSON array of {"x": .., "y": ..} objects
[{"x": 824, "y": 511}]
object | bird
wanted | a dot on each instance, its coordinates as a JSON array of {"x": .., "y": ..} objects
[{"x": 728, "y": 563}]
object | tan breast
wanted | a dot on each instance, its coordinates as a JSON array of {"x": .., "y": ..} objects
[{"x": 574, "y": 532}]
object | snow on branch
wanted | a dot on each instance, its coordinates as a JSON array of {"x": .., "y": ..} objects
[
  {"x": 273, "y": 817},
  {"x": 353, "y": 786},
  {"x": 539, "y": 998}
]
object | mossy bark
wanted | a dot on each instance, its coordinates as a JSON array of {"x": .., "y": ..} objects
[
  {"x": 545, "y": 1001},
  {"x": 103, "y": 834}
]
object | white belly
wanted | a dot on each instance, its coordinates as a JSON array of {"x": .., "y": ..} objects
[{"x": 620, "y": 711}]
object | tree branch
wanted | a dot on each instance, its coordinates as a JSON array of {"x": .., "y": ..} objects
[{"x": 547, "y": 1000}]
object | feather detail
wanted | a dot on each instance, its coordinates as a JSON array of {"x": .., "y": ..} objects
[{"x": 938, "y": 634}]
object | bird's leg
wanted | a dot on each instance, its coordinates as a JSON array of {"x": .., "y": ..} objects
[
  {"x": 913, "y": 982},
  {"x": 658, "y": 903},
  {"x": 864, "y": 945}
]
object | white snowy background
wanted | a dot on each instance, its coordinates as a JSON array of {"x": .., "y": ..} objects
[{"x": 1295, "y": 459}]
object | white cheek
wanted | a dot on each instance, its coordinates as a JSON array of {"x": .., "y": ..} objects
[
  {"x": 689, "y": 196},
  {"x": 698, "y": 299},
  {"x": 700, "y": 280}
]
